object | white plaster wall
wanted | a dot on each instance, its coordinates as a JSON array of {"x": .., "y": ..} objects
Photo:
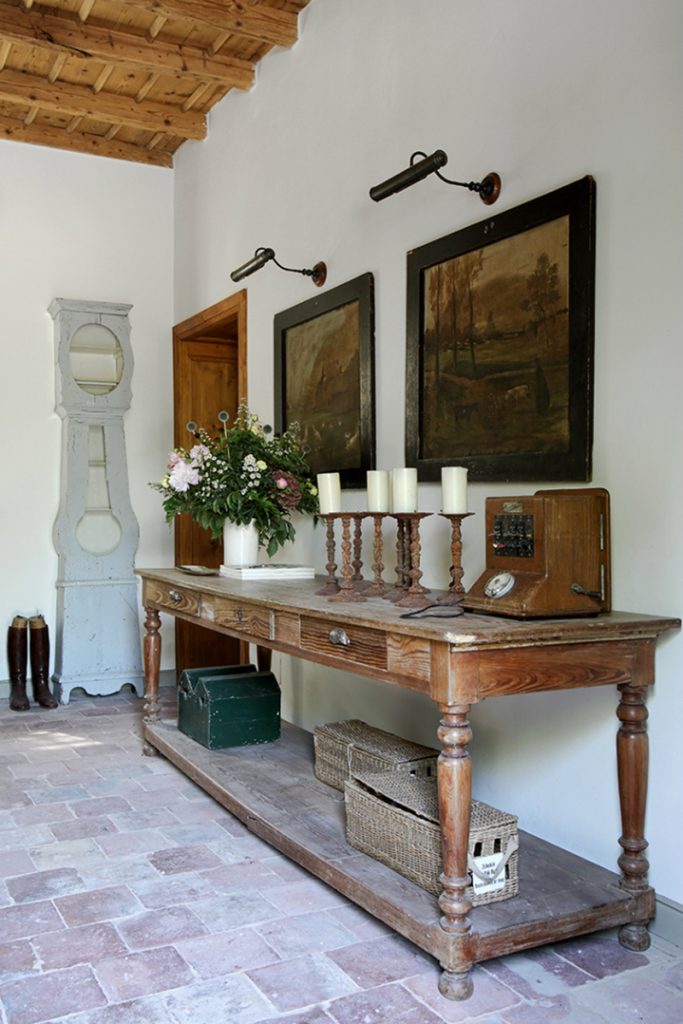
[
  {"x": 543, "y": 93},
  {"x": 78, "y": 227}
]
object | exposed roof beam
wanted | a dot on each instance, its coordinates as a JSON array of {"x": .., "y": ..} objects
[
  {"x": 268, "y": 24},
  {"x": 63, "y": 34},
  {"x": 74, "y": 100},
  {"x": 14, "y": 129}
]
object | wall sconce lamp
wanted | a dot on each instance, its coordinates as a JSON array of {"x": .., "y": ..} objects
[
  {"x": 488, "y": 188},
  {"x": 264, "y": 255}
]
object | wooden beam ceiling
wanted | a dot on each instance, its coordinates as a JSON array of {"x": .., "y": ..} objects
[{"x": 129, "y": 79}]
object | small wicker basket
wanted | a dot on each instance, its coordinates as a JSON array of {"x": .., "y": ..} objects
[
  {"x": 394, "y": 817},
  {"x": 345, "y": 748}
]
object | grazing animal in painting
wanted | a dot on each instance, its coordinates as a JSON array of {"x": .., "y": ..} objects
[{"x": 518, "y": 395}]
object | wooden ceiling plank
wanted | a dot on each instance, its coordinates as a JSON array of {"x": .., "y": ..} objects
[
  {"x": 57, "y": 65},
  {"x": 156, "y": 27},
  {"x": 5, "y": 47},
  {"x": 154, "y": 142},
  {"x": 73, "y": 124},
  {"x": 268, "y": 24},
  {"x": 113, "y": 131},
  {"x": 143, "y": 91},
  {"x": 65, "y": 34},
  {"x": 42, "y": 135},
  {"x": 17, "y": 87},
  {"x": 103, "y": 77},
  {"x": 31, "y": 116},
  {"x": 85, "y": 9},
  {"x": 196, "y": 96},
  {"x": 218, "y": 42}
]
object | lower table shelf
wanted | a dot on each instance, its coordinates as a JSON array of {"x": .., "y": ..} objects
[{"x": 272, "y": 789}]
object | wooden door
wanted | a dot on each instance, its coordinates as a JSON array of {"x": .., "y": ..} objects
[{"x": 209, "y": 374}]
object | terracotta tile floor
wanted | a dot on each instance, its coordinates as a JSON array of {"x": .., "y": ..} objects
[{"x": 127, "y": 896}]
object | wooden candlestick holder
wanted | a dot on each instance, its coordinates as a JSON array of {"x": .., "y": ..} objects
[
  {"x": 398, "y": 589},
  {"x": 347, "y": 591},
  {"x": 456, "y": 591},
  {"x": 378, "y": 587},
  {"x": 357, "y": 578},
  {"x": 413, "y": 595},
  {"x": 331, "y": 585}
]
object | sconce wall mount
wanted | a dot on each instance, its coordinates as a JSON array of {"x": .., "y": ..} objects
[
  {"x": 488, "y": 189},
  {"x": 264, "y": 254}
]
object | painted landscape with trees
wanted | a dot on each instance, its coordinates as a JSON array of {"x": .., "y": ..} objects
[{"x": 495, "y": 358}]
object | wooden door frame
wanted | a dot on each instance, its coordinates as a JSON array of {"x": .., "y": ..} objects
[{"x": 231, "y": 310}]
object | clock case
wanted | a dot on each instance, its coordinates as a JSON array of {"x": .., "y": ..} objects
[{"x": 555, "y": 544}]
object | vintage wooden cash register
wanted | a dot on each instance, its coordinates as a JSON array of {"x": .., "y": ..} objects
[{"x": 547, "y": 555}]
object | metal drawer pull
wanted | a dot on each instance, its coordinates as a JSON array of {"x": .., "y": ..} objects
[
  {"x": 339, "y": 637},
  {"x": 175, "y": 596}
]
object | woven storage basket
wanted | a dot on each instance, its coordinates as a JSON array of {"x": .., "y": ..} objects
[
  {"x": 344, "y": 748},
  {"x": 394, "y": 817}
]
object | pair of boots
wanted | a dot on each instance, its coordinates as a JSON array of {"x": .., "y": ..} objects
[{"x": 17, "y": 657}]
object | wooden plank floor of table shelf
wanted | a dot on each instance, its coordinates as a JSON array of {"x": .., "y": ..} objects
[{"x": 272, "y": 789}]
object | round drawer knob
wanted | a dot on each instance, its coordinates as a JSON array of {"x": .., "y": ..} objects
[
  {"x": 339, "y": 637},
  {"x": 174, "y": 595}
]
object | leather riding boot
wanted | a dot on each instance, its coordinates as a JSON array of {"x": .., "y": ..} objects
[
  {"x": 17, "y": 650},
  {"x": 40, "y": 662}
]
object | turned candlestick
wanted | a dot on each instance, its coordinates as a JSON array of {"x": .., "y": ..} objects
[
  {"x": 378, "y": 587},
  {"x": 331, "y": 585},
  {"x": 347, "y": 591},
  {"x": 396, "y": 592},
  {"x": 357, "y": 579},
  {"x": 456, "y": 591},
  {"x": 414, "y": 596}
]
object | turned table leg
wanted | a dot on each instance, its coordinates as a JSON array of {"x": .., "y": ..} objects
[
  {"x": 632, "y": 767},
  {"x": 455, "y": 794},
  {"x": 152, "y": 652}
]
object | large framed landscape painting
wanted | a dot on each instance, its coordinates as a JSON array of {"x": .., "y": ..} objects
[
  {"x": 499, "y": 373},
  {"x": 324, "y": 378}
]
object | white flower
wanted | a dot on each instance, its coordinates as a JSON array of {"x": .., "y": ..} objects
[{"x": 182, "y": 476}]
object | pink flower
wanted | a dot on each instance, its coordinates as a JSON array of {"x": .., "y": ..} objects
[
  {"x": 289, "y": 492},
  {"x": 182, "y": 476},
  {"x": 173, "y": 460},
  {"x": 199, "y": 453}
]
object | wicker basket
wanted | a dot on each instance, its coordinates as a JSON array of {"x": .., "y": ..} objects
[
  {"x": 346, "y": 748},
  {"x": 394, "y": 817}
]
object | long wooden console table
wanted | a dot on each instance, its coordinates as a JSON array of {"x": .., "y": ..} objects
[{"x": 457, "y": 662}]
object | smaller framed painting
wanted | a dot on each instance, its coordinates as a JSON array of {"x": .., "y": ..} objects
[
  {"x": 324, "y": 378},
  {"x": 499, "y": 374}
]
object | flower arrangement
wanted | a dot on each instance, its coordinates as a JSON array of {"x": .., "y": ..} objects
[{"x": 241, "y": 475}]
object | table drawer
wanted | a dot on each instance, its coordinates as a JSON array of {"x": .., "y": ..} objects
[
  {"x": 239, "y": 616},
  {"x": 168, "y": 596},
  {"x": 353, "y": 644}
]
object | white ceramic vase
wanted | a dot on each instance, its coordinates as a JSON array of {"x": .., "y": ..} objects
[{"x": 240, "y": 543}]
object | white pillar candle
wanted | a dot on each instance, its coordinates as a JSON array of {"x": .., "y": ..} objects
[
  {"x": 404, "y": 490},
  {"x": 329, "y": 493},
  {"x": 454, "y": 490},
  {"x": 378, "y": 490}
]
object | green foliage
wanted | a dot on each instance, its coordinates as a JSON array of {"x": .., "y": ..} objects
[{"x": 241, "y": 475}]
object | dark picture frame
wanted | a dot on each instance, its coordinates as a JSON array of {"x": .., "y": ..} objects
[
  {"x": 324, "y": 378},
  {"x": 499, "y": 360}
]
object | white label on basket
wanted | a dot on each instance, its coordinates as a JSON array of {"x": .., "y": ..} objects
[{"x": 494, "y": 869}]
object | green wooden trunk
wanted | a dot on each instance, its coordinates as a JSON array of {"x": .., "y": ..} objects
[{"x": 229, "y": 706}]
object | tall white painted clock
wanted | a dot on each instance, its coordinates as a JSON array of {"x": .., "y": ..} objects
[{"x": 97, "y": 643}]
